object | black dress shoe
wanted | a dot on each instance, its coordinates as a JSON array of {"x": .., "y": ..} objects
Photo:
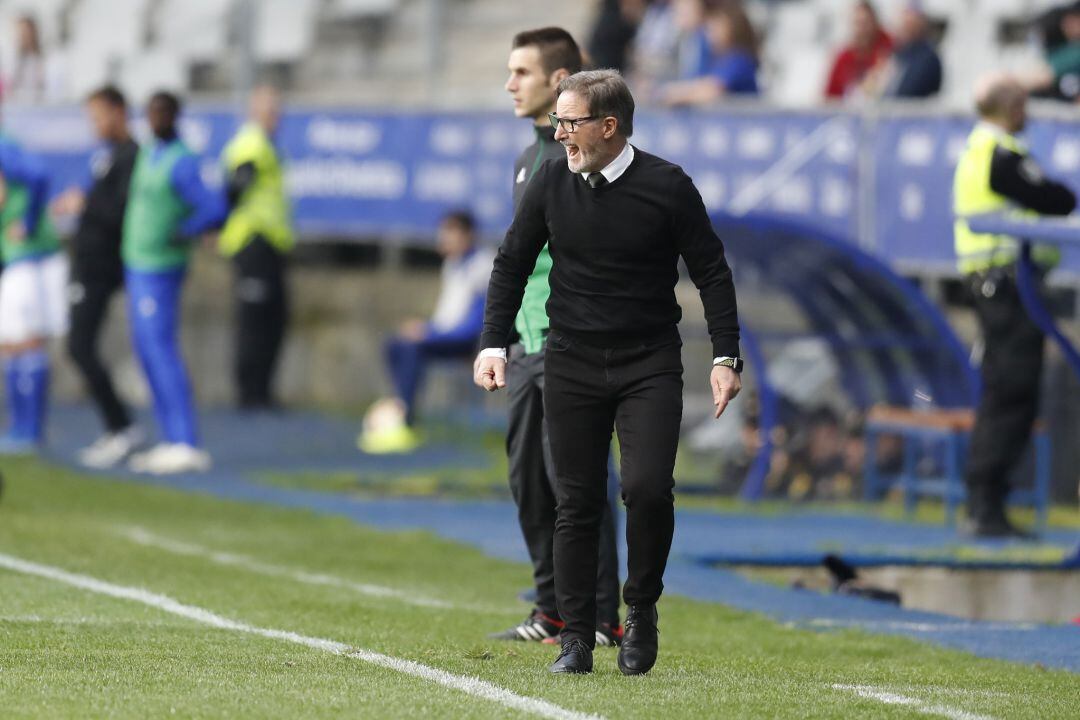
[
  {"x": 637, "y": 654},
  {"x": 575, "y": 658}
]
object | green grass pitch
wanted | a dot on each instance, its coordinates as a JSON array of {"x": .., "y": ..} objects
[{"x": 69, "y": 651}]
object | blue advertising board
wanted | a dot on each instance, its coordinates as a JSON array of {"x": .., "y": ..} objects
[{"x": 354, "y": 174}]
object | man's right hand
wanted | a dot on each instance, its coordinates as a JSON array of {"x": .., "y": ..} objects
[
  {"x": 70, "y": 202},
  {"x": 490, "y": 373}
]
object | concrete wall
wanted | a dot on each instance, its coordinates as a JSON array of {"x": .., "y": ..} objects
[
  {"x": 332, "y": 358},
  {"x": 340, "y": 315}
]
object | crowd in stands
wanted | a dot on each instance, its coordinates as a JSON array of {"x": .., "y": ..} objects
[
  {"x": 679, "y": 52},
  {"x": 699, "y": 52},
  {"x": 1060, "y": 77},
  {"x": 875, "y": 64}
]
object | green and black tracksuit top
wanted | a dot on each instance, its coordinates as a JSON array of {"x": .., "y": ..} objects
[{"x": 531, "y": 323}]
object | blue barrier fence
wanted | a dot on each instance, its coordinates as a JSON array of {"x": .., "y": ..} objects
[{"x": 882, "y": 182}]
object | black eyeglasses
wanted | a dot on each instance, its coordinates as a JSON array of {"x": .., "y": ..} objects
[{"x": 570, "y": 125}]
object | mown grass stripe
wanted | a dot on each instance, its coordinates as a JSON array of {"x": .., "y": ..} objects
[
  {"x": 144, "y": 537},
  {"x": 470, "y": 685}
]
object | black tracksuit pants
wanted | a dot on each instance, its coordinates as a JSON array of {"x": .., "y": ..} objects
[
  {"x": 1011, "y": 375},
  {"x": 88, "y": 303},
  {"x": 532, "y": 482},
  {"x": 590, "y": 389},
  {"x": 261, "y": 316}
]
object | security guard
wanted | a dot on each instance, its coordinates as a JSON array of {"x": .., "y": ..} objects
[
  {"x": 257, "y": 236},
  {"x": 996, "y": 174}
]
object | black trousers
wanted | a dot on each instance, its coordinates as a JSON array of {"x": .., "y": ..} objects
[
  {"x": 532, "y": 482},
  {"x": 261, "y": 316},
  {"x": 89, "y": 298},
  {"x": 589, "y": 390},
  {"x": 1011, "y": 374}
]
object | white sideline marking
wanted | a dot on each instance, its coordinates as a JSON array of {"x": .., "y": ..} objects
[
  {"x": 177, "y": 547},
  {"x": 891, "y": 698},
  {"x": 925, "y": 627},
  {"x": 469, "y": 685}
]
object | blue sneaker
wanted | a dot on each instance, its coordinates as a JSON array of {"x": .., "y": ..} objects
[{"x": 12, "y": 445}]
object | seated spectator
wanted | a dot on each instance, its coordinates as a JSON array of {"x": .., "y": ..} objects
[
  {"x": 30, "y": 77},
  {"x": 870, "y": 46},
  {"x": 693, "y": 47},
  {"x": 1060, "y": 79},
  {"x": 670, "y": 44},
  {"x": 731, "y": 67},
  {"x": 613, "y": 32},
  {"x": 914, "y": 71},
  {"x": 452, "y": 332},
  {"x": 655, "y": 47}
]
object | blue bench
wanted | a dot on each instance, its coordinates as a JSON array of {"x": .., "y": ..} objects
[{"x": 940, "y": 438}]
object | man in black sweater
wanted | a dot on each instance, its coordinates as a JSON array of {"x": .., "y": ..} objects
[
  {"x": 96, "y": 271},
  {"x": 618, "y": 220},
  {"x": 539, "y": 61}
]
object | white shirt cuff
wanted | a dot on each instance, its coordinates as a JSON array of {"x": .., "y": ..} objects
[{"x": 493, "y": 352}]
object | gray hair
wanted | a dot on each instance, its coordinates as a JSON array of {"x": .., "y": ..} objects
[{"x": 606, "y": 94}]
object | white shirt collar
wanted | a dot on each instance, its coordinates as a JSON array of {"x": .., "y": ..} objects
[{"x": 618, "y": 166}]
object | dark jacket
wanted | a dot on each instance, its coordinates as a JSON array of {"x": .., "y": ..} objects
[{"x": 96, "y": 248}]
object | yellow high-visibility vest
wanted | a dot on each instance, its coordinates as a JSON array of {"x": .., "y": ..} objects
[
  {"x": 972, "y": 195},
  {"x": 263, "y": 209}
]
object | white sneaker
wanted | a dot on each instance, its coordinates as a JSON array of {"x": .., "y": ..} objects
[
  {"x": 109, "y": 450},
  {"x": 170, "y": 459}
]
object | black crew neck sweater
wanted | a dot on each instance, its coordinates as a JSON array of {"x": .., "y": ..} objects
[{"x": 615, "y": 252}]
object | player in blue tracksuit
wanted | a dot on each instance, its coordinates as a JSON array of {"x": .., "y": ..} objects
[
  {"x": 32, "y": 294},
  {"x": 168, "y": 207}
]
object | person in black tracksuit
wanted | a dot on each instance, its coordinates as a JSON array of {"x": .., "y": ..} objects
[
  {"x": 538, "y": 61},
  {"x": 96, "y": 271}
]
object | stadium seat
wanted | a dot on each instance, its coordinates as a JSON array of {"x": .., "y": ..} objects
[
  {"x": 360, "y": 9},
  {"x": 142, "y": 75},
  {"x": 797, "y": 84},
  {"x": 284, "y": 29},
  {"x": 968, "y": 50},
  {"x": 104, "y": 32},
  {"x": 795, "y": 57},
  {"x": 1004, "y": 8},
  {"x": 87, "y": 69},
  {"x": 109, "y": 27},
  {"x": 192, "y": 29},
  {"x": 798, "y": 23}
]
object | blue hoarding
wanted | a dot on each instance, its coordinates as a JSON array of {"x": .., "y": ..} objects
[{"x": 882, "y": 181}]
